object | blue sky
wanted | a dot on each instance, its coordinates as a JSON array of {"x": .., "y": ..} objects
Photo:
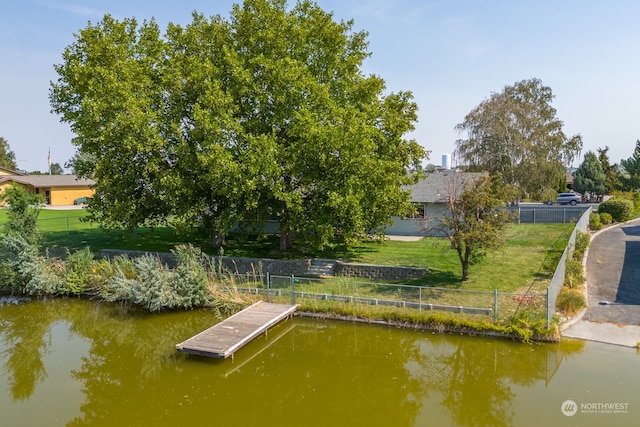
[{"x": 451, "y": 54}]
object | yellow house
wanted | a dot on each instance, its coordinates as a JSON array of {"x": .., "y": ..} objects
[{"x": 58, "y": 190}]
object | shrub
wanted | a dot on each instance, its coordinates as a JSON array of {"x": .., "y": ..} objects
[
  {"x": 156, "y": 287},
  {"x": 9, "y": 278},
  {"x": 34, "y": 272},
  {"x": 606, "y": 218},
  {"x": 22, "y": 213},
  {"x": 570, "y": 301},
  {"x": 632, "y": 196},
  {"x": 621, "y": 210},
  {"x": 581, "y": 245},
  {"x": 595, "y": 221},
  {"x": 573, "y": 274},
  {"x": 78, "y": 271}
]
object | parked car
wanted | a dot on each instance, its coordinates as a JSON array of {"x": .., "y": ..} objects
[
  {"x": 81, "y": 201},
  {"x": 569, "y": 199}
]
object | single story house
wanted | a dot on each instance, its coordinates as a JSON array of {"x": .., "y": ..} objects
[
  {"x": 58, "y": 190},
  {"x": 430, "y": 196}
]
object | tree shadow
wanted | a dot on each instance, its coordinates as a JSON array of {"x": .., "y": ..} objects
[
  {"x": 436, "y": 278},
  {"x": 629, "y": 286},
  {"x": 631, "y": 230}
]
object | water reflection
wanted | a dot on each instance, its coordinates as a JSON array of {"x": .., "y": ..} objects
[
  {"x": 317, "y": 373},
  {"x": 475, "y": 382}
]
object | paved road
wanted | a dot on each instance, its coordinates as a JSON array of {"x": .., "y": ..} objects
[
  {"x": 613, "y": 274},
  {"x": 613, "y": 284}
]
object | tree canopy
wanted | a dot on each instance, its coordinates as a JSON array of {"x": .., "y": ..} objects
[
  {"x": 630, "y": 178},
  {"x": 611, "y": 171},
  {"x": 7, "y": 157},
  {"x": 590, "y": 177},
  {"x": 516, "y": 133},
  {"x": 265, "y": 115},
  {"x": 475, "y": 219}
]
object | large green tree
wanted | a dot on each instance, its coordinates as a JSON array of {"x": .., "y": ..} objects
[
  {"x": 630, "y": 177},
  {"x": 263, "y": 115},
  {"x": 590, "y": 177},
  {"x": 611, "y": 171},
  {"x": 516, "y": 133},
  {"x": 7, "y": 157},
  {"x": 475, "y": 219}
]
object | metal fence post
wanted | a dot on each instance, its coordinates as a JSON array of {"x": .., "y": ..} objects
[
  {"x": 268, "y": 286},
  {"x": 293, "y": 295},
  {"x": 495, "y": 305},
  {"x": 548, "y": 319},
  {"x": 420, "y": 301}
]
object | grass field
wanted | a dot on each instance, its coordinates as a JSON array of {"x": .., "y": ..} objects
[{"x": 527, "y": 259}]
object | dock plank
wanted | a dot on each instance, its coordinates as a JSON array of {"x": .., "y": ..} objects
[{"x": 223, "y": 339}]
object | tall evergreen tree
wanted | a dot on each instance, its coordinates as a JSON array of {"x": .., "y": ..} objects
[
  {"x": 630, "y": 177},
  {"x": 611, "y": 171},
  {"x": 589, "y": 178}
]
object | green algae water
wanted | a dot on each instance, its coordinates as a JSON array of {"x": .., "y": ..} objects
[{"x": 72, "y": 362}]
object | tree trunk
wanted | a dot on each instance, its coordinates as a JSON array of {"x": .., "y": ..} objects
[
  {"x": 464, "y": 261},
  {"x": 465, "y": 270},
  {"x": 286, "y": 241},
  {"x": 217, "y": 240}
]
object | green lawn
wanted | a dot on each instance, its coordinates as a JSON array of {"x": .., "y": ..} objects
[{"x": 527, "y": 259}]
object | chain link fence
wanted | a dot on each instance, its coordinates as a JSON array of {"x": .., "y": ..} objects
[
  {"x": 489, "y": 305},
  {"x": 557, "y": 282},
  {"x": 548, "y": 214}
]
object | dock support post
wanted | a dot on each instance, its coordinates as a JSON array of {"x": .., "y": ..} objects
[{"x": 293, "y": 295}]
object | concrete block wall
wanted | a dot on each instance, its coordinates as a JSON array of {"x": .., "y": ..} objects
[
  {"x": 259, "y": 266},
  {"x": 283, "y": 267},
  {"x": 379, "y": 272}
]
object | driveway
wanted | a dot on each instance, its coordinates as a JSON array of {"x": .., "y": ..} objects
[{"x": 613, "y": 288}]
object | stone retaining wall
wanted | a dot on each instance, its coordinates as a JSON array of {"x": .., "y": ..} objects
[
  {"x": 283, "y": 267},
  {"x": 379, "y": 272}
]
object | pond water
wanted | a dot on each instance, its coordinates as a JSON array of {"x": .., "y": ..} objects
[{"x": 73, "y": 362}]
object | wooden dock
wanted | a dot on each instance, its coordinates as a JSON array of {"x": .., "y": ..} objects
[{"x": 226, "y": 337}]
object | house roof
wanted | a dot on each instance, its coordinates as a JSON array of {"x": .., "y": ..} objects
[
  {"x": 437, "y": 187},
  {"x": 8, "y": 172},
  {"x": 39, "y": 181}
]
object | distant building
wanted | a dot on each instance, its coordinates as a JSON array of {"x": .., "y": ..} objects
[
  {"x": 446, "y": 161},
  {"x": 58, "y": 190},
  {"x": 430, "y": 197}
]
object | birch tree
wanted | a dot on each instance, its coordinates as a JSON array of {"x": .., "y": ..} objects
[{"x": 516, "y": 133}]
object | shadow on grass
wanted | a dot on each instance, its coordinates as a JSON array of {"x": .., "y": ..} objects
[
  {"x": 163, "y": 239},
  {"x": 154, "y": 240},
  {"x": 438, "y": 279}
]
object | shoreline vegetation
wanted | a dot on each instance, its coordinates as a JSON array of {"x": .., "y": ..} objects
[{"x": 531, "y": 250}]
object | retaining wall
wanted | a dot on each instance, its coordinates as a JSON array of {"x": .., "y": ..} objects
[
  {"x": 283, "y": 267},
  {"x": 378, "y": 272}
]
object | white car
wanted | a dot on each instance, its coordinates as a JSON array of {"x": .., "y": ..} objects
[{"x": 569, "y": 199}]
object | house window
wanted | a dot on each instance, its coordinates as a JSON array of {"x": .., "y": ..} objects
[{"x": 419, "y": 210}]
